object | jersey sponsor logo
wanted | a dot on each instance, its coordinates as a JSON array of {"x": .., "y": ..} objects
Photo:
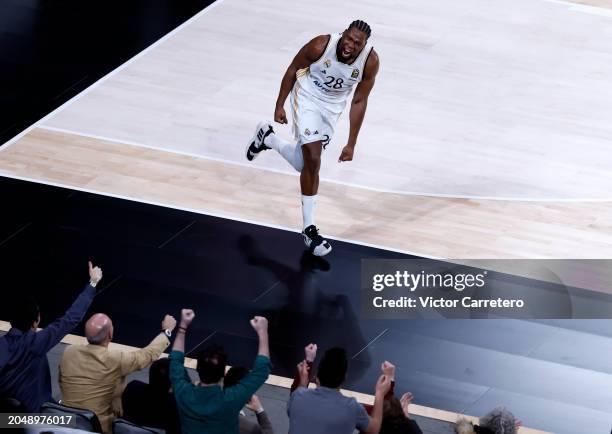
[
  {"x": 319, "y": 85},
  {"x": 355, "y": 73}
]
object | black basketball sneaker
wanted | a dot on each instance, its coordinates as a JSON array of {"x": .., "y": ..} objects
[
  {"x": 256, "y": 144},
  {"x": 317, "y": 245}
]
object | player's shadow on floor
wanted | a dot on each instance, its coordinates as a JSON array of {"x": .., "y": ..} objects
[{"x": 304, "y": 307}]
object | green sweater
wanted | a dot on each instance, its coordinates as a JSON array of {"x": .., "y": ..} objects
[{"x": 212, "y": 410}]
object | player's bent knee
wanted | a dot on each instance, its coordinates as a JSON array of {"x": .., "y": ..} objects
[
  {"x": 312, "y": 163},
  {"x": 312, "y": 152}
]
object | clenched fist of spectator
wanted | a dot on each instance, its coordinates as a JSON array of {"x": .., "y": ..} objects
[
  {"x": 310, "y": 351},
  {"x": 187, "y": 315},
  {"x": 260, "y": 324}
]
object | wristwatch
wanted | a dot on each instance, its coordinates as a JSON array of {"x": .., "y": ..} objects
[{"x": 168, "y": 333}]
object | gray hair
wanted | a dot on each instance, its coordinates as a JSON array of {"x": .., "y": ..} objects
[
  {"x": 99, "y": 337},
  {"x": 464, "y": 426},
  {"x": 500, "y": 421}
]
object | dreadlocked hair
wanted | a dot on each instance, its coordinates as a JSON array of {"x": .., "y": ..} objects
[{"x": 363, "y": 26}]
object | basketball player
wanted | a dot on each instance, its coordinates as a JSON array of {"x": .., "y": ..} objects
[{"x": 320, "y": 80}]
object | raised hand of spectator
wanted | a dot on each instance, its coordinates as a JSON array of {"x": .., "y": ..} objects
[
  {"x": 255, "y": 404},
  {"x": 95, "y": 274},
  {"x": 168, "y": 323},
  {"x": 405, "y": 401},
  {"x": 388, "y": 369},
  {"x": 383, "y": 385},
  {"x": 187, "y": 315},
  {"x": 310, "y": 351},
  {"x": 259, "y": 324},
  {"x": 303, "y": 372}
]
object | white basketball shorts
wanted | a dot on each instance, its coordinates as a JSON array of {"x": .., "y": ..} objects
[{"x": 312, "y": 121}]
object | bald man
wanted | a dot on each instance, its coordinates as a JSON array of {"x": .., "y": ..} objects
[
  {"x": 93, "y": 377},
  {"x": 99, "y": 330}
]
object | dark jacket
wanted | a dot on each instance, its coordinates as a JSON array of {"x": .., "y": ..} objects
[
  {"x": 24, "y": 369},
  {"x": 262, "y": 426},
  {"x": 145, "y": 406}
]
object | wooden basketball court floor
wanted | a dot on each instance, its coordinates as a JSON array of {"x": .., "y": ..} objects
[{"x": 487, "y": 134}]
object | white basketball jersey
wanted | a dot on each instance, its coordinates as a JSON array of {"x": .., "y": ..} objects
[{"x": 331, "y": 81}]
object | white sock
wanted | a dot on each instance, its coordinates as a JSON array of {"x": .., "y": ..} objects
[
  {"x": 308, "y": 205},
  {"x": 291, "y": 152}
]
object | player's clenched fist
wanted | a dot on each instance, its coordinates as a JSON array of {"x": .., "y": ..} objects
[
  {"x": 346, "y": 154},
  {"x": 280, "y": 116}
]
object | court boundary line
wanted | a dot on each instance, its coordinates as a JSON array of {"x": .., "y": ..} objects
[
  {"x": 592, "y": 10},
  {"x": 331, "y": 181},
  {"x": 601, "y": 11},
  {"x": 215, "y": 214},
  {"x": 577, "y": 7}
]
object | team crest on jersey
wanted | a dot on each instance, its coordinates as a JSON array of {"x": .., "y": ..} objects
[
  {"x": 307, "y": 131},
  {"x": 327, "y": 63},
  {"x": 355, "y": 73}
]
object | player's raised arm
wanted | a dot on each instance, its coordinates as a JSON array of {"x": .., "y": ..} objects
[
  {"x": 359, "y": 104},
  {"x": 307, "y": 55}
]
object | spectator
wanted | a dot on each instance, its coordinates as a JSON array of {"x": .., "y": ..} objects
[
  {"x": 396, "y": 416},
  {"x": 325, "y": 409},
  {"x": 153, "y": 404},
  {"x": 500, "y": 421},
  {"x": 24, "y": 369},
  {"x": 387, "y": 369},
  {"x": 497, "y": 421},
  {"x": 207, "y": 408},
  {"x": 464, "y": 426},
  {"x": 263, "y": 425},
  {"x": 310, "y": 354},
  {"x": 92, "y": 377}
]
